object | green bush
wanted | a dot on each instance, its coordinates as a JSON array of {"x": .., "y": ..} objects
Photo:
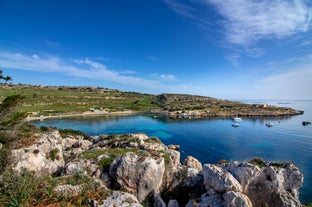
[
  {"x": 258, "y": 161},
  {"x": 53, "y": 154},
  {"x": 66, "y": 132},
  {"x": 106, "y": 162},
  {"x": 29, "y": 190}
]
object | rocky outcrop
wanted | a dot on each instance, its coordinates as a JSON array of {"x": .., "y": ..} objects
[
  {"x": 68, "y": 190},
  {"x": 219, "y": 180},
  {"x": 149, "y": 172},
  {"x": 137, "y": 174},
  {"x": 121, "y": 199},
  {"x": 44, "y": 156}
]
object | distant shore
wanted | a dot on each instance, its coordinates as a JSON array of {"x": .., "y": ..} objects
[{"x": 87, "y": 113}]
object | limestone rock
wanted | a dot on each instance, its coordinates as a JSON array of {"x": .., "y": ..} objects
[
  {"x": 72, "y": 146},
  {"x": 83, "y": 166},
  {"x": 238, "y": 199},
  {"x": 220, "y": 180},
  {"x": 138, "y": 175},
  {"x": 43, "y": 157},
  {"x": 193, "y": 163},
  {"x": 158, "y": 201},
  {"x": 273, "y": 188},
  {"x": 173, "y": 203},
  {"x": 171, "y": 176},
  {"x": 68, "y": 191},
  {"x": 174, "y": 147},
  {"x": 121, "y": 199},
  {"x": 244, "y": 172}
]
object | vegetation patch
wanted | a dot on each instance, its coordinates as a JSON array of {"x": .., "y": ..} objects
[
  {"x": 27, "y": 190},
  {"x": 257, "y": 161},
  {"x": 53, "y": 154},
  {"x": 106, "y": 162},
  {"x": 277, "y": 164},
  {"x": 94, "y": 153},
  {"x": 67, "y": 132}
]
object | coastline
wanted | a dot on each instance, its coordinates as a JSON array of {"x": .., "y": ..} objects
[
  {"x": 87, "y": 114},
  {"x": 174, "y": 115}
]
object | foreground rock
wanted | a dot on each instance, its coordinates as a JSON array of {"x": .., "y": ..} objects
[
  {"x": 138, "y": 175},
  {"x": 44, "y": 156},
  {"x": 151, "y": 174},
  {"x": 121, "y": 199}
]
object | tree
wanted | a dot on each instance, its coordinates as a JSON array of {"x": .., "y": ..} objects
[{"x": 5, "y": 78}]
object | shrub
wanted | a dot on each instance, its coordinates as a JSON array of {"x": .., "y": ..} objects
[
  {"x": 106, "y": 162},
  {"x": 66, "y": 132},
  {"x": 258, "y": 161},
  {"x": 53, "y": 154}
]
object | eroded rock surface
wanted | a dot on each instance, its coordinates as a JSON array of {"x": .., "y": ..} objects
[{"x": 151, "y": 173}]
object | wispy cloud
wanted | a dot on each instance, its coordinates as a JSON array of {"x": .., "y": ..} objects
[
  {"x": 151, "y": 58},
  {"x": 164, "y": 77},
  {"x": 85, "y": 68},
  {"x": 294, "y": 84},
  {"x": 248, "y": 21},
  {"x": 188, "y": 11},
  {"x": 244, "y": 23}
]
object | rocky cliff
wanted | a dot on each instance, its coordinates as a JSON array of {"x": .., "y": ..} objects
[{"x": 137, "y": 170}]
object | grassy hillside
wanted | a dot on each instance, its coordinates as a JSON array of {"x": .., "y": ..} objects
[{"x": 54, "y": 100}]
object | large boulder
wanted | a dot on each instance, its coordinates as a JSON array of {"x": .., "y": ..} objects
[
  {"x": 44, "y": 156},
  {"x": 120, "y": 199},
  {"x": 84, "y": 166},
  {"x": 212, "y": 198},
  {"x": 138, "y": 175},
  {"x": 68, "y": 191},
  {"x": 192, "y": 162},
  {"x": 219, "y": 180},
  {"x": 244, "y": 172},
  {"x": 276, "y": 186}
]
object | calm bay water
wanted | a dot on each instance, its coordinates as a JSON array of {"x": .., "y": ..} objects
[{"x": 211, "y": 140}]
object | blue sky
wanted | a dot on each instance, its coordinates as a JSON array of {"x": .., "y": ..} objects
[{"x": 238, "y": 49}]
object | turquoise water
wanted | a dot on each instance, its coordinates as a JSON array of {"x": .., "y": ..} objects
[{"x": 211, "y": 140}]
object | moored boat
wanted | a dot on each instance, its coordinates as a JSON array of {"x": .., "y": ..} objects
[{"x": 235, "y": 125}]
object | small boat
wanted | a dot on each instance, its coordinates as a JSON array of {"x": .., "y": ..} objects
[
  {"x": 304, "y": 123},
  {"x": 235, "y": 125},
  {"x": 269, "y": 124},
  {"x": 237, "y": 119}
]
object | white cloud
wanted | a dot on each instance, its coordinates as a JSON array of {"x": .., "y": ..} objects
[
  {"x": 86, "y": 68},
  {"x": 294, "y": 84},
  {"x": 187, "y": 11},
  {"x": 248, "y": 21},
  {"x": 164, "y": 77},
  {"x": 35, "y": 56}
]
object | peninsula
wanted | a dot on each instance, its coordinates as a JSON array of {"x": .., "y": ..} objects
[{"x": 56, "y": 101}]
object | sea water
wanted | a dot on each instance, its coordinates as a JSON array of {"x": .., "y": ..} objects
[{"x": 210, "y": 140}]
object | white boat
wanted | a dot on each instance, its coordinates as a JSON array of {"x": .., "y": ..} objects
[
  {"x": 235, "y": 125},
  {"x": 269, "y": 124},
  {"x": 237, "y": 119}
]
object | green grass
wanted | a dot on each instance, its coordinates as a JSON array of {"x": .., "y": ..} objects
[
  {"x": 94, "y": 153},
  {"x": 28, "y": 190},
  {"x": 66, "y": 132},
  {"x": 257, "y": 161},
  {"x": 53, "y": 154},
  {"x": 51, "y": 100}
]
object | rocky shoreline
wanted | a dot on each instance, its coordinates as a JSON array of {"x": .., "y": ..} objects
[{"x": 137, "y": 170}]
